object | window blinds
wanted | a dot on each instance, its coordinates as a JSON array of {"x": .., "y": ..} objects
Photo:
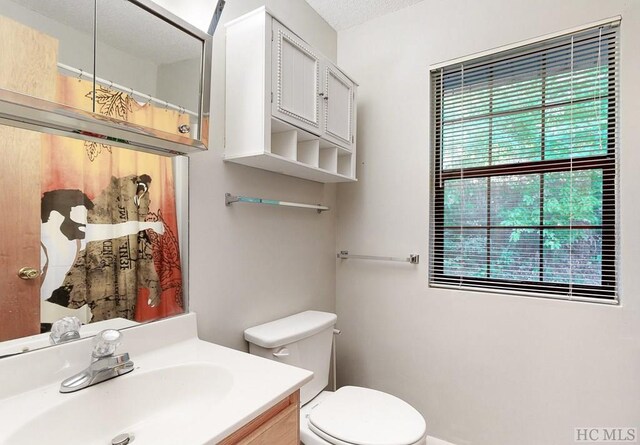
[{"x": 524, "y": 168}]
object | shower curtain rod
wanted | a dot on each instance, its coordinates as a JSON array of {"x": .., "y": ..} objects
[{"x": 131, "y": 91}]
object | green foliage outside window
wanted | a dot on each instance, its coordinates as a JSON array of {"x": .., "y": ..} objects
[{"x": 510, "y": 226}]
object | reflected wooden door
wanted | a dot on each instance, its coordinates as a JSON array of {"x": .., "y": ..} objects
[
  {"x": 27, "y": 65},
  {"x": 19, "y": 232}
]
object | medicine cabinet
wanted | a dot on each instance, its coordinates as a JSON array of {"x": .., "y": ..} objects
[{"x": 118, "y": 57}]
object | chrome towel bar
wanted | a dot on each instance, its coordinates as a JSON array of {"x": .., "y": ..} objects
[
  {"x": 230, "y": 199},
  {"x": 412, "y": 258}
]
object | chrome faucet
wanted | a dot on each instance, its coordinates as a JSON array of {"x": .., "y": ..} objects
[{"x": 104, "y": 365}]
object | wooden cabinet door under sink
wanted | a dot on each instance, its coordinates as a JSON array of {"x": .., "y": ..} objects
[{"x": 278, "y": 425}]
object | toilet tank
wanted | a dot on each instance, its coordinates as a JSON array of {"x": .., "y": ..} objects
[{"x": 303, "y": 340}]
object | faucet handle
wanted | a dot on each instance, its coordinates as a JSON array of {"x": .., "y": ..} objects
[
  {"x": 105, "y": 343},
  {"x": 65, "y": 329}
]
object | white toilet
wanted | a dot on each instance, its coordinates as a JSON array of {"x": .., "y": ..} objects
[{"x": 349, "y": 416}]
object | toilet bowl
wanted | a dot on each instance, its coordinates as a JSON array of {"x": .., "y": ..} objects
[
  {"x": 362, "y": 416},
  {"x": 351, "y": 415}
]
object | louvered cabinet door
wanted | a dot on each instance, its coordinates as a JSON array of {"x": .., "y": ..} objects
[
  {"x": 295, "y": 80},
  {"x": 339, "y": 107}
]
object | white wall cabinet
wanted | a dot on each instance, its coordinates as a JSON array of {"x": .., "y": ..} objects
[
  {"x": 288, "y": 108},
  {"x": 295, "y": 80},
  {"x": 339, "y": 95}
]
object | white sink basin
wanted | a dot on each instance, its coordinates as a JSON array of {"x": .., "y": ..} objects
[
  {"x": 140, "y": 403},
  {"x": 182, "y": 391}
]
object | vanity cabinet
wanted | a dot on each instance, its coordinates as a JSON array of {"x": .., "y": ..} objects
[
  {"x": 278, "y": 425},
  {"x": 288, "y": 108}
]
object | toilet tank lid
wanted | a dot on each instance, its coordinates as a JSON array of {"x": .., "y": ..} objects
[{"x": 289, "y": 329}]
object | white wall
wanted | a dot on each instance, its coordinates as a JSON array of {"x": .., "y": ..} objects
[
  {"x": 250, "y": 264},
  {"x": 484, "y": 369},
  {"x": 179, "y": 83}
]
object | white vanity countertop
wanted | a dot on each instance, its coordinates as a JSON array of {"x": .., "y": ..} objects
[
  {"x": 38, "y": 341},
  {"x": 182, "y": 390}
]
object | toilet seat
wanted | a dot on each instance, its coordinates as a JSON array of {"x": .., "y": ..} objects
[{"x": 362, "y": 416}]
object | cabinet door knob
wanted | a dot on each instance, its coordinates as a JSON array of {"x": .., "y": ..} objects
[{"x": 28, "y": 273}]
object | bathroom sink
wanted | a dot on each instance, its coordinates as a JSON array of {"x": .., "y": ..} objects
[
  {"x": 139, "y": 403},
  {"x": 182, "y": 390}
]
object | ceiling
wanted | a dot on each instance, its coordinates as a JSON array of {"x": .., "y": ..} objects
[{"x": 343, "y": 14}]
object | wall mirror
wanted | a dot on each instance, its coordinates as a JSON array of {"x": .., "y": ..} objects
[
  {"x": 93, "y": 232},
  {"x": 99, "y": 99},
  {"x": 129, "y": 58}
]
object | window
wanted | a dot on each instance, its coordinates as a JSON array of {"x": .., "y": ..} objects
[{"x": 524, "y": 169}]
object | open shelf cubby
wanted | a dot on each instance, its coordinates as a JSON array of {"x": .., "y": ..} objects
[
  {"x": 284, "y": 144},
  {"x": 307, "y": 149},
  {"x": 296, "y": 152},
  {"x": 329, "y": 159},
  {"x": 309, "y": 152},
  {"x": 345, "y": 167}
]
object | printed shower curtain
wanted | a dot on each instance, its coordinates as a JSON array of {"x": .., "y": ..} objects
[{"x": 109, "y": 228}]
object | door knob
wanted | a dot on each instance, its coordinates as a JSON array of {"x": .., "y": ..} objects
[{"x": 28, "y": 273}]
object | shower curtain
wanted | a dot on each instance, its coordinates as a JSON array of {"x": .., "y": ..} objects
[{"x": 109, "y": 228}]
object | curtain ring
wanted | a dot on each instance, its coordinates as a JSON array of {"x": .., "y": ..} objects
[
  {"x": 166, "y": 106},
  {"x": 181, "y": 110},
  {"x": 111, "y": 84},
  {"x": 80, "y": 76},
  {"x": 131, "y": 94}
]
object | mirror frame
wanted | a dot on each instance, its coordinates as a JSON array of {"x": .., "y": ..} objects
[{"x": 32, "y": 113}]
